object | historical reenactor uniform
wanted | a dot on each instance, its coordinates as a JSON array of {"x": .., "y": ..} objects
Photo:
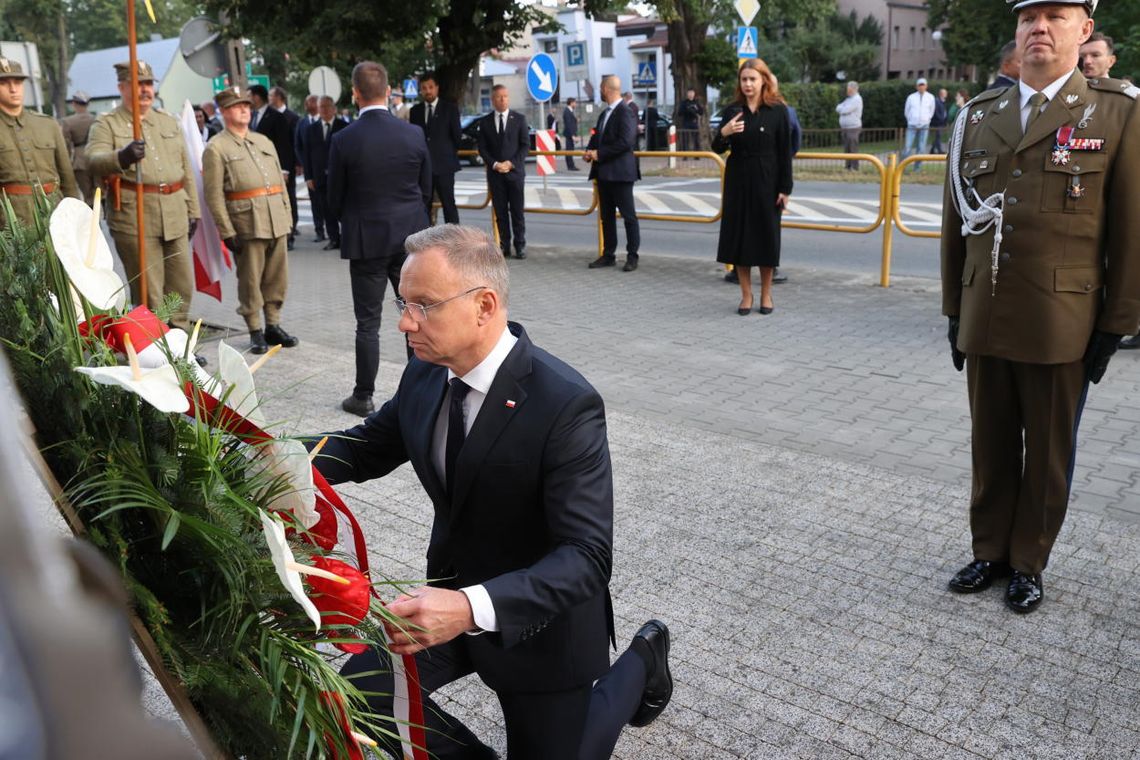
[
  {"x": 33, "y": 154},
  {"x": 167, "y": 190},
  {"x": 243, "y": 187},
  {"x": 1040, "y": 277},
  {"x": 76, "y": 128}
]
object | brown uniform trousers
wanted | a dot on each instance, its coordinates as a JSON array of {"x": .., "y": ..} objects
[
  {"x": 260, "y": 219},
  {"x": 1068, "y": 265},
  {"x": 76, "y": 128},
  {"x": 166, "y": 214},
  {"x": 33, "y": 153}
]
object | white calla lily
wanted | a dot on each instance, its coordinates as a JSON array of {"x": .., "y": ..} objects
[
  {"x": 290, "y": 459},
  {"x": 289, "y": 570},
  {"x": 242, "y": 391},
  {"x": 81, "y": 248},
  {"x": 159, "y": 387}
]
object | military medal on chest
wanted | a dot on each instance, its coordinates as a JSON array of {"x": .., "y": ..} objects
[
  {"x": 1062, "y": 149},
  {"x": 977, "y": 116}
]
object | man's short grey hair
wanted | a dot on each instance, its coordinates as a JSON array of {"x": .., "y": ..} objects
[
  {"x": 326, "y": 100},
  {"x": 853, "y": 85},
  {"x": 471, "y": 252}
]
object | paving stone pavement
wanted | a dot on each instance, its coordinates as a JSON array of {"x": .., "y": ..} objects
[{"x": 791, "y": 498}]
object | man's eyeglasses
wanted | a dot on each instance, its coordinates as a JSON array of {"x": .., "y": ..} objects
[{"x": 419, "y": 312}]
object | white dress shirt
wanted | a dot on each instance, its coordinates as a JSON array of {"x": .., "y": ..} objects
[
  {"x": 479, "y": 381},
  {"x": 366, "y": 109},
  {"x": 606, "y": 116},
  {"x": 1050, "y": 92}
]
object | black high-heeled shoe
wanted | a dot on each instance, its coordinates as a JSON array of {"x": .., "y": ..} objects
[
  {"x": 767, "y": 309},
  {"x": 744, "y": 311}
]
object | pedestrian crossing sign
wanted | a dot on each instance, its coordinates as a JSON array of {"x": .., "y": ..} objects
[
  {"x": 646, "y": 75},
  {"x": 747, "y": 38},
  {"x": 411, "y": 89}
]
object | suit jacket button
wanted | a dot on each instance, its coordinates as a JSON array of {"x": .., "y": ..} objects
[
  {"x": 1016, "y": 173},
  {"x": 1088, "y": 286}
]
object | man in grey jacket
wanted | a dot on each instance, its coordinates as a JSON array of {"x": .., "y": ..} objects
[{"x": 851, "y": 122}]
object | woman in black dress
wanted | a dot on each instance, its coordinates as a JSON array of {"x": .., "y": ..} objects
[{"x": 757, "y": 182}]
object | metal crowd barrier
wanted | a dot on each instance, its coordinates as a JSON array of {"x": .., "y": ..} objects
[{"x": 889, "y": 217}]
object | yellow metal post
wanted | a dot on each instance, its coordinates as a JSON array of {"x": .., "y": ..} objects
[
  {"x": 495, "y": 227},
  {"x": 888, "y": 201},
  {"x": 597, "y": 205}
]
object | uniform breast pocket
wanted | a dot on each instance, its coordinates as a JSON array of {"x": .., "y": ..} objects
[
  {"x": 978, "y": 173},
  {"x": 1075, "y": 187}
]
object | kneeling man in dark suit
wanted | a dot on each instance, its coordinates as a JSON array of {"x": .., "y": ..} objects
[{"x": 510, "y": 444}]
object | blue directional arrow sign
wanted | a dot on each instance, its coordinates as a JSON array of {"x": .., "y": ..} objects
[{"x": 541, "y": 77}]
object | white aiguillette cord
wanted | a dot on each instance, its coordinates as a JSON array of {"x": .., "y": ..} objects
[{"x": 989, "y": 211}]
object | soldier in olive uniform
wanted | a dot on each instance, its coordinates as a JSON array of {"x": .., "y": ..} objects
[
  {"x": 1040, "y": 278},
  {"x": 76, "y": 128},
  {"x": 242, "y": 177},
  {"x": 170, "y": 213},
  {"x": 32, "y": 149}
]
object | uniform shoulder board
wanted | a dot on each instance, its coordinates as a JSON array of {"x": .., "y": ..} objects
[
  {"x": 985, "y": 96},
  {"x": 1107, "y": 84}
]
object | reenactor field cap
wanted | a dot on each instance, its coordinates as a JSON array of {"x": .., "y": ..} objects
[
  {"x": 123, "y": 71},
  {"x": 80, "y": 97},
  {"x": 1090, "y": 5},
  {"x": 231, "y": 96},
  {"x": 10, "y": 69}
]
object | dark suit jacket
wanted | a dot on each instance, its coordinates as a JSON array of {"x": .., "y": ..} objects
[
  {"x": 530, "y": 516},
  {"x": 379, "y": 185},
  {"x": 1002, "y": 82},
  {"x": 300, "y": 141},
  {"x": 442, "y": 135},
  {"x": 316, "y": 156},
  {"x": 276, "y": 127},
  {"x": 569, "y": 123},
  {"x": 615, "y": 146},
  {"x": 513, "y": 145}
]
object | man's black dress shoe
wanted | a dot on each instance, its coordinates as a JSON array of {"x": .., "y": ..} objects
[
  {"x": 289, "y": 244},
  {"x": 1025, "y": 592},
  {"x": 520, "y": 253},
  {"x": 977, "y": 576},
  {"x": 361, "y": 407},
  {"x": 332, "y": 245},
  {"x": 320, "y": 236},
  {"x": 732, "y": 276},
  {"x": 630, "y": 264},
  {"x": 659, "y": 684},
  {"x": 603, "y": 261},
  {"x": 257, "y": 344},
  {"x": 1133, "y": 341},
  {"x": 275, "y": 335},
  {"x": 201, "y": 360},
  {"x": 778, "y": 278}
]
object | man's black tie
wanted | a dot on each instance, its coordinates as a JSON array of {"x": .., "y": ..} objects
[
  {"x": 502, "y": 119},
  {"x": 430, "y": 114},
  {"x": 456, "y": 430}
]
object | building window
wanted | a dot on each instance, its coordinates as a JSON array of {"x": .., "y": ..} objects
[
  {"x": 895, "y": 38},
  {"x": 912, "y": 36},
  {"x": 607, "y": 47},
  {"x": 922, "y": 39},
  {"x": 550, "y": 46}
]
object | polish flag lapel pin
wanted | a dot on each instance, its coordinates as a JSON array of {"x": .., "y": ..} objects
[{"x": 511, "y": 403}]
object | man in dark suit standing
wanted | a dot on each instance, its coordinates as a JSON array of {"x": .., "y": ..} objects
[
  {"x": 275, "y": 121},
  {"x": 504, "y": 142},
  {"x": 440, "y": 123},
  {"x": 570, "y": 130},
  {"x": 317, "y": 141},
  {"x": 510, "y": 444},
  {"x": 1009, "y": 67},
  {"x": 379, "y": 185},
  {"x": 612, "y": 163},
  {"x": 300, "y": 146}
]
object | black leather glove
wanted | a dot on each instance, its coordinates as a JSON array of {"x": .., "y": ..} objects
[
  {"x": 132, "y": 154},
  {"x": 233, "y": 244},
  {"x": 957, "y": 356},
  {"x": 1102, "y": 346},
  {"x": 193, "y": 228}
]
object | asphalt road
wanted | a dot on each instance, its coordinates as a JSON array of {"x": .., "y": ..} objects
[{"x": 802, "y": 249}]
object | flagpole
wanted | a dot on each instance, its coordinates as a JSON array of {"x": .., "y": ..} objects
[{"x": 140, "y": 196}]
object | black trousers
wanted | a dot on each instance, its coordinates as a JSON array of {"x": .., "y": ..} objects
[
  {"x": 579, "y": 724},
  {"x": 291, "y": 188},
  {"x": 569, "y": 146},
  {"x": 613, "y": 197},
  {"x": 320, "y": 201},
  {"x": 370, "y": 278},
  {"x": 443, "y": 187},
  {"x": 507, "y": 200}
]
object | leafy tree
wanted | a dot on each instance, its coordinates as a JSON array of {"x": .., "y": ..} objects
[
  {"x": 1121, "y": 21},
  {"x": 821, "y": 49},
  {"x": 975, "y": 31}
]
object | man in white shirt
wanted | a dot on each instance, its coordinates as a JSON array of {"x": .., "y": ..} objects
[
  {"x": 510, "y": 445},
  {"x": 919, "y": 110},
  {"x": 851, "y": 122}
]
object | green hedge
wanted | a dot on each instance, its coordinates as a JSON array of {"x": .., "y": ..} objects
[{"x": 882, "y": 101}]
